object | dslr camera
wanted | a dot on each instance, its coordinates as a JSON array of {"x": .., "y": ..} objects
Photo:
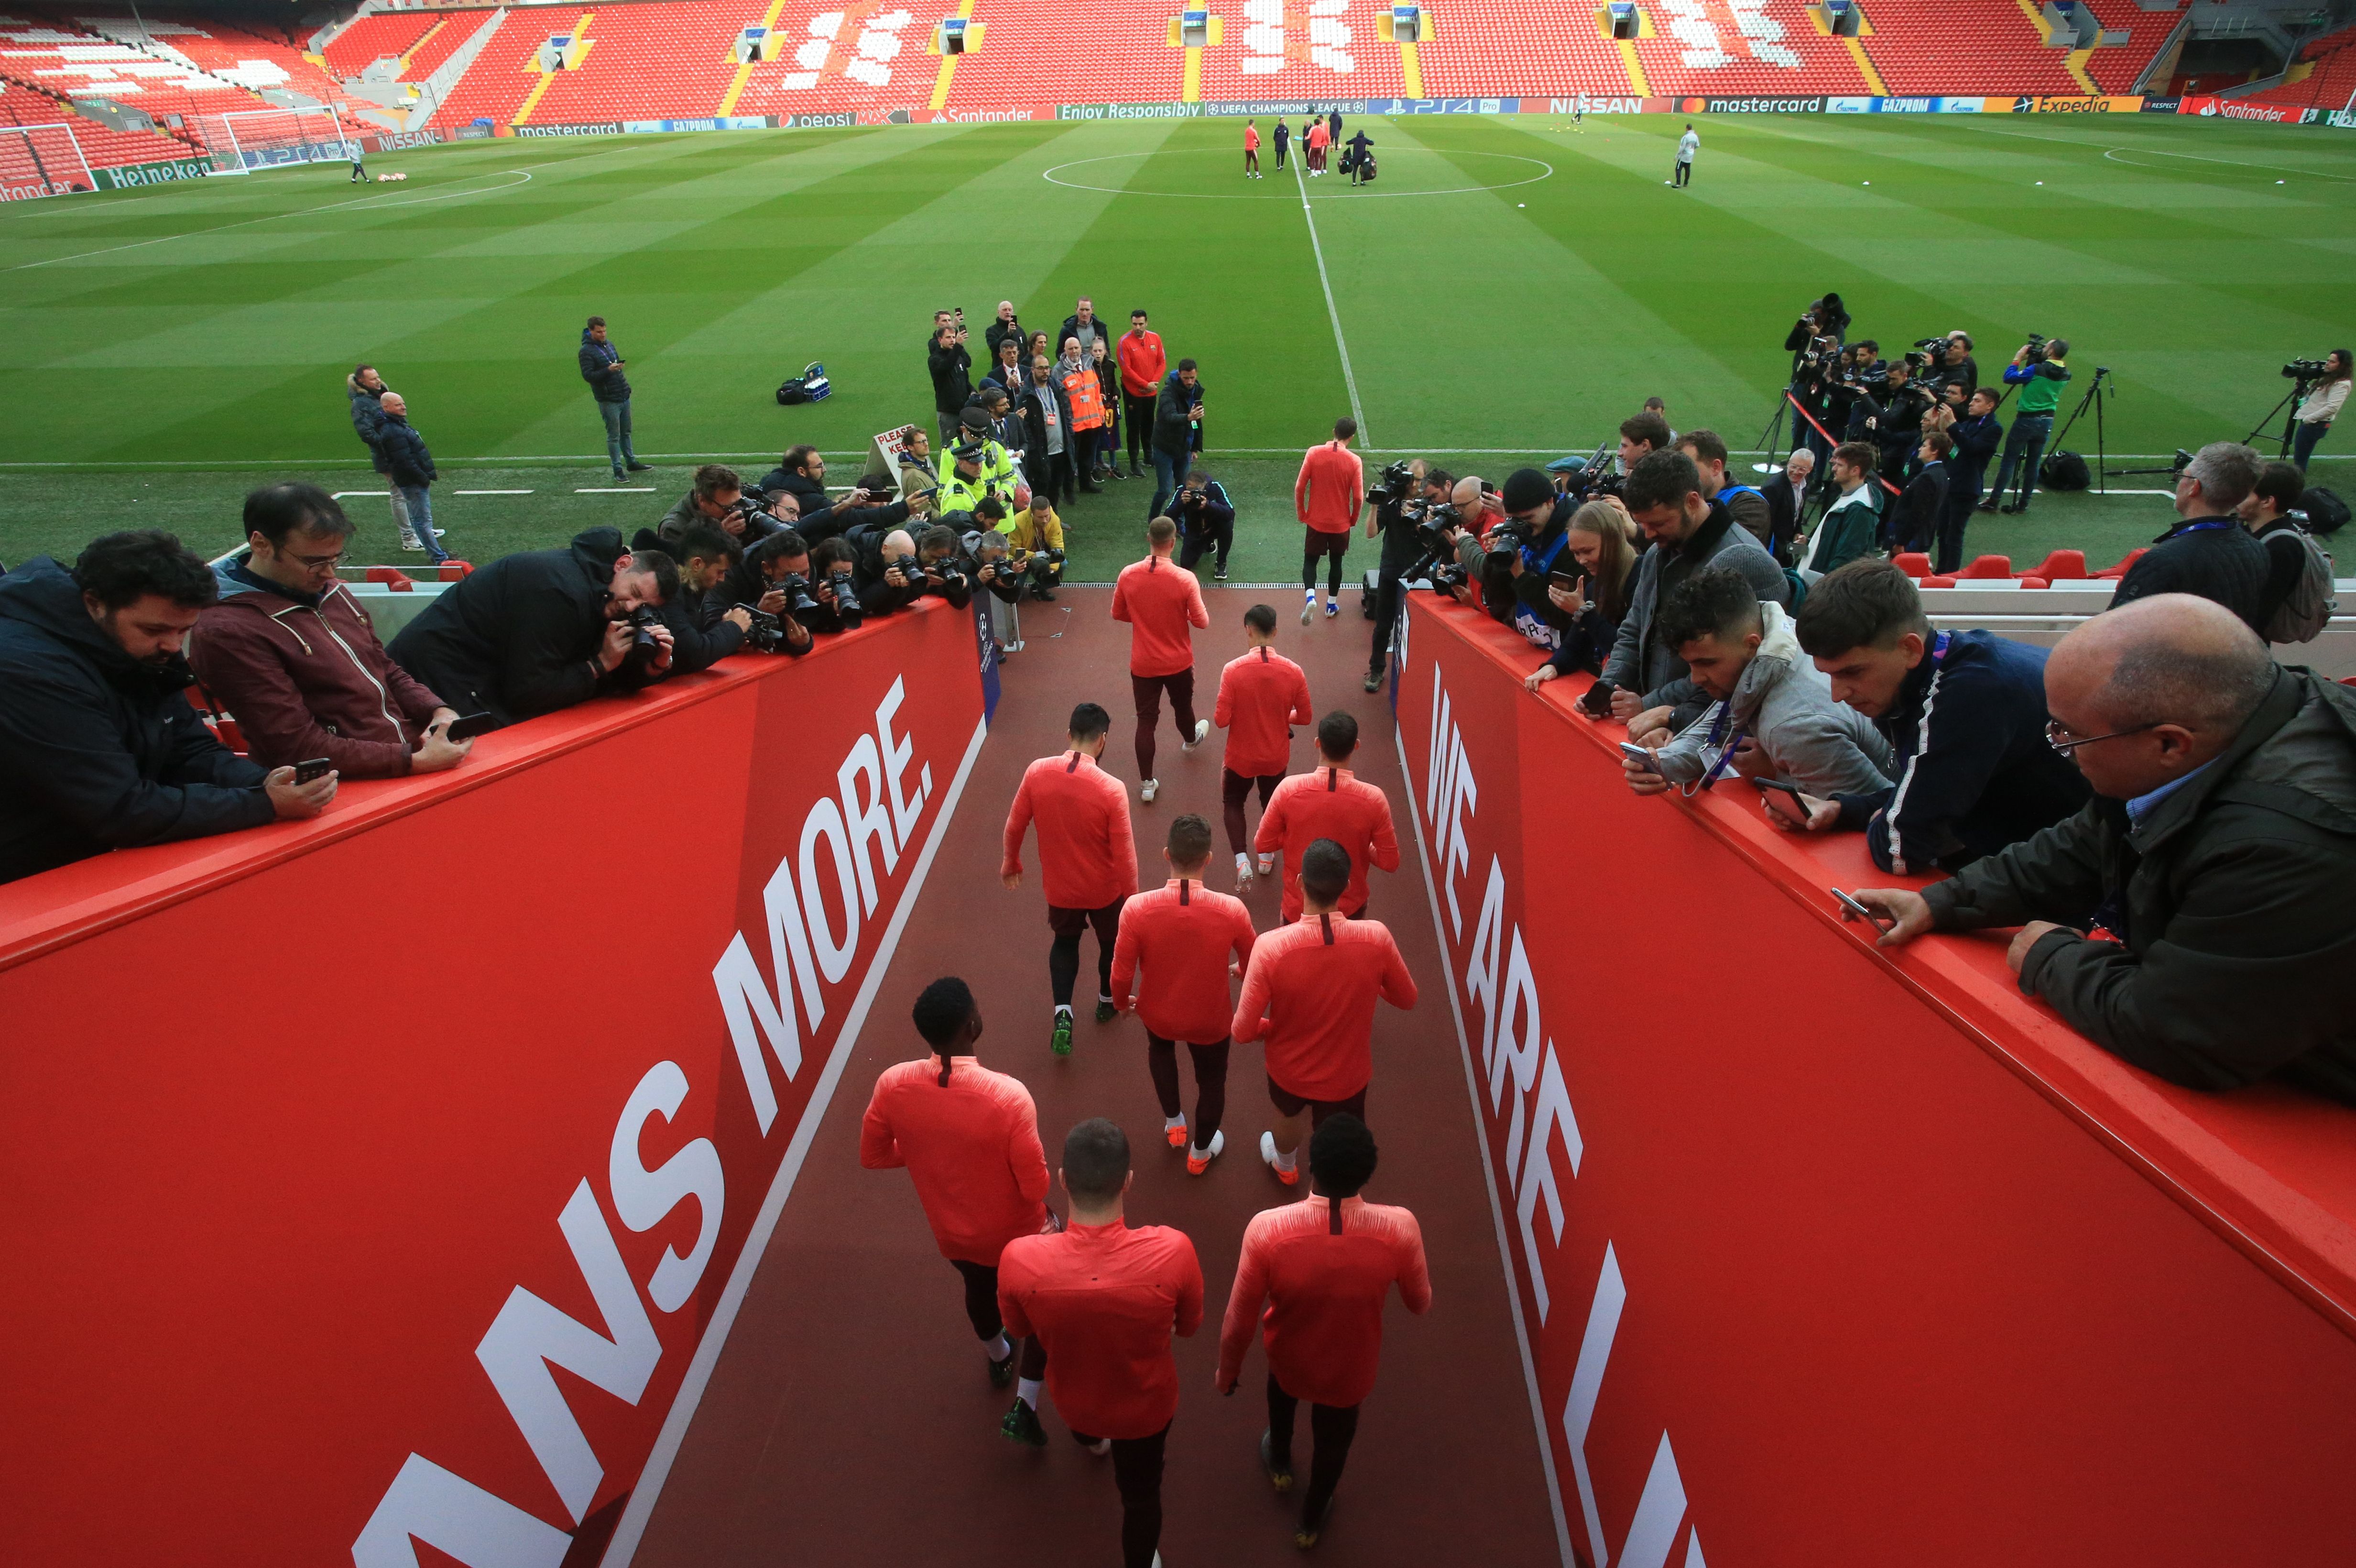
[
  {"x": 1434, "y": 523},
  {"x": 800, "y": 603},
  {"x": 2306, "y": 369},
  {"x": 767, "y": 634},
  {"x": 643, "y": 621}
]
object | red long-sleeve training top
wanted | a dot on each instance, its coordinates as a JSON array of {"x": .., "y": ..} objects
[
  {"x": 972, "y": 1149},
  {"x": 1087, "y": 856},
  {"x": 1141, "y": 363},
  {"x": 1310, "y": 992},
  {"x": 1331, "y": 488},
  {"x": 1183, "y": 934},
  {"x": 1261, "y": 696},
  {"x": 1161, "y": 601},
  {"x": 1331, "y": 803},
  {"x": 1324, "y": 1285},
  {"x": 1106, "y": 1301}
]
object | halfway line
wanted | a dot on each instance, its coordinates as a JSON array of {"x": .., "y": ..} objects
[{"x": 1350, "y": 380}]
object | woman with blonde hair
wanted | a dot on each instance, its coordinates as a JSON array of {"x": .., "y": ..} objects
[{"x": 1601, "y": 536}]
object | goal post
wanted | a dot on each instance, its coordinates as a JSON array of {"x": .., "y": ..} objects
[
  {"x": 240, "y": 141},
  {"x": 42, "y": 160}
]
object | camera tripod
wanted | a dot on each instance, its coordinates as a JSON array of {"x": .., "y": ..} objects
[
  {"x": 1771, "y": 440},
  {"x": 2299, "y": 387},
  {"x": 2093, "y": 399}
]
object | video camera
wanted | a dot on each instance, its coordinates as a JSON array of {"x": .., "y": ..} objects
[
  {"x": 2306, "y": 369},
  {"x": 2034, "y": 349},
  {"x": 1398, "y": 484},
  {"x": 1593, "y": 482}
]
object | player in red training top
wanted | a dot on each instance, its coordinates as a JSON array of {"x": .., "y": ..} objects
[
  {"x": 1310, "y": 993},
  {"x": 1184, "y": 933},
  {"x": 1106, "y": 1299},
  {"x": 1327, "y": 497},
  {"x": 1332, "y": 803},
  {"x": 1323, "y": 1268},
  {"x": 1252, "y": 149},
  {"x": 1261, "y": 697},
  {"x": 1087, "y": 860},
  {"x": 970, "y": 1139},
  {"x": 1162, "y": 604}
]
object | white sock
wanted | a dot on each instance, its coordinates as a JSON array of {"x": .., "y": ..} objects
[
  {"x": 1172, "y": 1124},
  {"x": 997, "y": 1349},
  {"x": 1027, "y": 1391},
  {"x": 1284, "y": 1160},
  {"x": 1062, "y": 1009}
]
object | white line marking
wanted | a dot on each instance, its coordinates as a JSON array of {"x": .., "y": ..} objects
[
  {"x": 490, "y": 492},
  {"x": 633, "y": 1527},
  {"x": 1350, "y": 380},
  {"x": 268, "y": 217},
  {"x": 616, "y": 490},
  {"x": 1480, "y": 1140},
  {"x": 346, "y": 494}
]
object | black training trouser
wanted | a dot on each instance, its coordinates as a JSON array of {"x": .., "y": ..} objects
[
  {"x": 1386, "y": 615},
  {"x": 1146, "y": 691},
  {"x": 1210, "y": 1083},
  {"x": 1137, "y": 1472},
  {"x": 1063, "y": 956},
  {"x": 1137, "y": 413},
  {"x": 1233, "y": 787},
  {"x": 981, "y": 1311},
  {"x": 1331, "y": 1428},
  {"x": 1215, "y": 544},
  {"x": 1333, "y": 546}
]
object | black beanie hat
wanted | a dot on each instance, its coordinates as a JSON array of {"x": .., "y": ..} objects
[{"x": 1526, "y": 488}]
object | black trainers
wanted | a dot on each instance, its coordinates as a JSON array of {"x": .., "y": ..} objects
[
  {"x": 1002, "y": 1373},
  {"x": 639, "y": 467},
  {"x": 1374, "y": 679},
  {"x": 1022, "y": 1425},
  {"x": 1279, "y": 1476},
  {"x": 1306, "y": 1536},
  {"x": 1106, "y": 1012}
]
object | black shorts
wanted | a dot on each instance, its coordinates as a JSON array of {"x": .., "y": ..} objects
[
  {"x": 1071, "y": 923},
  {"x": 1289, "y": 1103},
  {"x": 1235, "y": 787}
]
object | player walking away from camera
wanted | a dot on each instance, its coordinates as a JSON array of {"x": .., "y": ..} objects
[
  {"x": 1283, "y": 136},
  {"x": 1184, "y": 935},
  {"x": 968, "y": 1139},
  {"x": 1331, "y": 803},
  {"x": 1087, "y": 860},
  {"x": 1327, "y": 497},
  {"x": 1687, "y": 144},
  {"x": 601, "y": 367},
  {"x": 1251, "y": 150},
  {"x": 1322, "y": 1269},
  {"x": 1309, "y": 994},
  {"x": 1162, "y": 605},
  {"x": 1106, "y": 1299},
  {"x": 1261, "y": 696}
]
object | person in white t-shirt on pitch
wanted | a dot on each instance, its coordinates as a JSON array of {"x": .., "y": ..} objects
[{"x": 1686, "y": 145}]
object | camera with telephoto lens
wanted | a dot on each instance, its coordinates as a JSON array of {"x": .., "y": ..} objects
[
  {"x": 2306, "y": 369},
  {"x": 843, "y": 598},
  {"x": 766, "y": 635},
  {"x": 800, "y": 603},
  {"x": 1434, "y": 522},
  {"x": 947, "y": 570},
  {"x": 643, "y": 620}
]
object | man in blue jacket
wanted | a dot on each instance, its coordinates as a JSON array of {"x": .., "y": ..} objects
[
  {"x": 1975, "y": 433},
  {"x": 410, "y": 466},
  {"x": 1964, "y": 712},
  {"x": 98, "y": 748},
  {"x": 601, "y": 367}
]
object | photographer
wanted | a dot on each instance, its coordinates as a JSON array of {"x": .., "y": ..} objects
[
  {"x": 1843, "y": 381},
  {"x": 706, "y": 622},
  {"x": 895, "y": 571},
  {"x": 1405, "y": 486},
  {"x": 2320, "y": 407},
  {"x": 1644, "y": 679},
  {"x": 718, "y": 499},
  {"x": 1954, "y": 366},
  {"x": 545, "y": 629},
  {"x": 1816, "y": 338},
  {"x": 1177, "y": 413},
  {"x": 1750, "y": 511},
  {"x": 1893, "y": 413},
  {"x": 2038, "y": 370},
  {"x": 1915, "y": 526},
  {"x": 1036, "y": 532},
  {"x": 952, "y": 373},
  {"x": 1031, "y": 570},
  {"x": 1975, "y": 435},
  {"x": 1598, "y": 603},
  {"x": 1207, "y": 522}
]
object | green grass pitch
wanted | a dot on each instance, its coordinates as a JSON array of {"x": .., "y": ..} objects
[{"x": 1508, "y": 291}]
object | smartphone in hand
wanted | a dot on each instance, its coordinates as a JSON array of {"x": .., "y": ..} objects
[
  {"x": 315, "y": 769},
  {"x": 469, "y": 726},
  {"x": 1641, "y": 757},
  {"x": 1873, "y": 917}
]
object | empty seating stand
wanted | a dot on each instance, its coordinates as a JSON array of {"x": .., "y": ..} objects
[
  {"x": 1963, "y": 46},
  {"x": 1509, "y": 45},
  {"x": 645, "y": 62},
  {"x": 1314, "y": 49},
  {"x": 47, "y": 157},
  {"x": 1767, "y": 46},
  {"x": 1028, "y": 58},
  {"x": 380, "y": 35},
  {"x": 506, "y": 73},
  {"x": 2330, "y": 77}
]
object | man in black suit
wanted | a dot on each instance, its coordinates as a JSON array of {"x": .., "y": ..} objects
[{"x": 1787, "y": 495}]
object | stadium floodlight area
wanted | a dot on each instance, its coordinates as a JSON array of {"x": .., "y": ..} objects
[
  {"x": 42, "y": 160},
  {"x": 243, "y": 140}
]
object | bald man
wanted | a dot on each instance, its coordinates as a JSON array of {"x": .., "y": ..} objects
[{"x": 2198, "y": 916}]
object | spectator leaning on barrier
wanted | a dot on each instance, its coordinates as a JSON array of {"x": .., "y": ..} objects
[
  {"x": 1749, "y": 507},
  {"x": 290, "y": 654},
  {"x": 98, "y": 748},
  {"x": 1846, "y": 532},
  {"x": 2209, "y": 552},
  {"x": 1644, "y": 679},
  {"x": 2197, "y": 916},
  {"x": 1598, "y": 536},
  {"x": 1519, "y": 573},
  {"x": 1772, "y": 714},
  {"x": 601, "y": 367},
  {"x": 1963, "y": 713},
  {"x": 541, "y": 630},
  {"x": 410, "y": 466},
  {"x": 365, "y": 389}
]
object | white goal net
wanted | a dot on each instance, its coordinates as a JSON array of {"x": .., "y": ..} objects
[
  {"x": 244, "y": 139},
  {"x": 41, "y": 160}
]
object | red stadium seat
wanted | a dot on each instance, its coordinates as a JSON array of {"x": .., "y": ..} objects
[
  {"x": 453, "y": 569},
  {"x": 2035, "y": 582},
  {"x": 391, "y": 577},
  {"x": 2062, "y": 566},
  {"x": 1938, "y": 583},
  {"x": 1988, "y": 567},
  {"x": 1913, "y": 563},
  {"x": 2116, "y": 573}
]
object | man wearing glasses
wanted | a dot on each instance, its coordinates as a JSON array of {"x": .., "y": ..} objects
[
  {"x": 1964, "y": 712},
  {"x": 2214, "y": 871},
  {"x": 290, "y": 654}
]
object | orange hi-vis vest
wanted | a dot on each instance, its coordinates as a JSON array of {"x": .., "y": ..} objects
[{"x": 1088, "y": 396}]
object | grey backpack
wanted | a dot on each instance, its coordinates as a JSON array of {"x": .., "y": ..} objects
[{"x": 2303, "y": 615}]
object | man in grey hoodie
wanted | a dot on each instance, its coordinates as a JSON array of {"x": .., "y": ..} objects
[{"x": 1772, "y": 715}]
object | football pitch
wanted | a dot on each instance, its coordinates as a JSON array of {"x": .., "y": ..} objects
[{"x": 1507, "y": 292}]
